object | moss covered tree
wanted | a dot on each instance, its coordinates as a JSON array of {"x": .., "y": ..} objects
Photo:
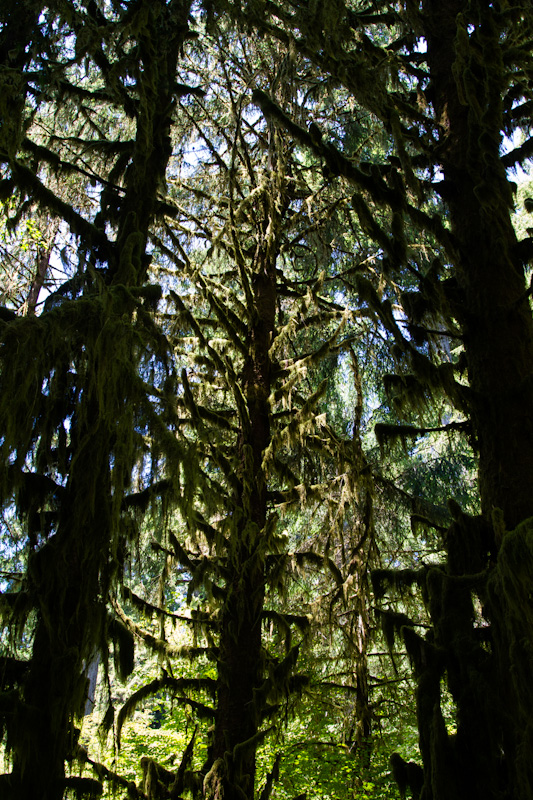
[
  {"x": 252, "y": 325},
  {"x": 93, "y": 418},
  {"x": 448, "y": 81},
  {"x": 74, "y": 403}
]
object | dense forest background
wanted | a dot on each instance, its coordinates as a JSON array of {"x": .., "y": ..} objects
[{"x": 266, "y": 355}]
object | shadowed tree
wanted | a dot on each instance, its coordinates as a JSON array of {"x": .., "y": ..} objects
[
  {"x": 89, "y": 98},
  {"x": 447, "y": 81},
  {"x": 251, "y": 326},
  {"x": 74, "y": 404}
]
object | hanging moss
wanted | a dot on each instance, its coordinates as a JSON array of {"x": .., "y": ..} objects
[
  {"x": 83, "y": 787},
  {"x": 124, "y": 650},
  {"x": 398, "y": 580},
  {"x": 408, "y": 775},
  {"x": 392, "y": 623},
  {"x": 470, "y": 543},
  {"x": 388, "y": 434}
]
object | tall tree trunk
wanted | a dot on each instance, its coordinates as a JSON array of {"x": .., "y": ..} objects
[
  {"x": 363, "y": 553},
  {"x": 238, "y": 713},
  {"x": 484, "y": 669},
  {"x": 496, "y": 319},
  {"x": 237, "y": 719},
  {"x": 65, "y": 575}
]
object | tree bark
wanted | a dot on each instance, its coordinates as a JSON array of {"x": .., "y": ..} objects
[
  {"x": 497, "y": 325},
  {"x": 43, "y": 262},
  {"x": 496, "y": 320},
  {"x": 238, "y": 713}
]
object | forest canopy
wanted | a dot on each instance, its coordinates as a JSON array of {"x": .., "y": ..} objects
[{"x": 266, "y": 353}]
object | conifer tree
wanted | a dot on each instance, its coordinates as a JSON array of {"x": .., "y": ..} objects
[
  {"x": 92, "y": 151},
  {"x": 251, "y": 324},
  {"x": 447, "y": 81},
  {"x": 90, "y": 118},
  {"x": 74, "y": 402}
]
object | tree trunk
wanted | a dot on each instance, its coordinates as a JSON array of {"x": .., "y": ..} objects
[
  {"x": 238, "y": 713},
  {"x": 484, "y": 759},
  {"x": 43, "y": 262},
  {"x": 496, "y": 320},
  {"x": 65, "y": 576},
  {"x": 239, "y": 677}
]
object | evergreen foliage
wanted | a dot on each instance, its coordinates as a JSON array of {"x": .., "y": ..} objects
[
  {"x": 81, "y": 403},
  {"x": 276, "y": 244},
  {"x": 446, "y": 106},
  {"x": 251, "y": 332}
]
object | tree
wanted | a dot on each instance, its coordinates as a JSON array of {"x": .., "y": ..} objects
[
  {"x": 251, "y": 329},
  {"x": 91, "y": 97},
  {"x": 74, "y": 410},
  {"x": 447, "y": 81},
  {"x": 75, "y": 450}
]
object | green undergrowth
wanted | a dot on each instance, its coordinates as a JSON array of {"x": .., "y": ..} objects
[{"x": 312, "y": 762}]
